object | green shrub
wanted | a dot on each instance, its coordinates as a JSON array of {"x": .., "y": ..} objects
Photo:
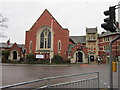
[
  {"x": 43, "y": 62},
  {"x": 5, "y": 55},
  {"x": 35, "y": 62},
  {"x": 57, "y": 59},
  {"x": 30, "y": 57}
]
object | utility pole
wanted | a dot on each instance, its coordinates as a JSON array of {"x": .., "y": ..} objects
[{"x": 111, "y": 73}]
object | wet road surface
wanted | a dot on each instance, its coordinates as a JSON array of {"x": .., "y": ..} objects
[{"x": 18, "y": 73}]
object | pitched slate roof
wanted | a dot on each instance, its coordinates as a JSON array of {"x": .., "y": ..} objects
[
  {"x": 108, "y": 33},
  {"x": 70, "y": 46},
  {"x": 77, "y": 39},
  {"x": 4, "y": 45}
]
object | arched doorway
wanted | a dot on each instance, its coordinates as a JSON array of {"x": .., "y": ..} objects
[
  {"x": 14, "y": 55},
  {"x": 80, "y": 57}
]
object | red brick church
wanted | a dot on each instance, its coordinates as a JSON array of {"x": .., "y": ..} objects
[{"x": 48, "y": 38}]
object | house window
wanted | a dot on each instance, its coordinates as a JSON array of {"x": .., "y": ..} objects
[
  {"x": 45, "y": 39},
  {"x": 59, "y": 45},
  {"x": 107, "y": 38},
  {"x": 106, "y": 48},
  {"x": 92, "y": 37}
]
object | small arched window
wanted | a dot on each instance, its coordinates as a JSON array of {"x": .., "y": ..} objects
[
  {"x": 30, "y": 46},
  {"x": 59, "y": 45}
]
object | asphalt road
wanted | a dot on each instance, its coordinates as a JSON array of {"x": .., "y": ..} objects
[{"x": 12, "y": 74}]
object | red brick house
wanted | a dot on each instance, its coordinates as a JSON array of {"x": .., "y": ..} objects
[
  {"x": 104, "y": 40},
  {"x": 85, "y": 47},
  {"x": 15, "y": 50},
  {"x": 77, "y": 51}
]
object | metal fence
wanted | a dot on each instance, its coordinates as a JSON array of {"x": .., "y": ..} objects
[
  {"x": 84, "y": 83},
  {"x": 92, "y": 82}
]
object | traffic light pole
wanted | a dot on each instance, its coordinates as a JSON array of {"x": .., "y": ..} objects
[{"x": 111, "y": 73}]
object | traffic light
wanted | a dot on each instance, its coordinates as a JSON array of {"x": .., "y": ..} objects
[{"x": 109, "y": 24}]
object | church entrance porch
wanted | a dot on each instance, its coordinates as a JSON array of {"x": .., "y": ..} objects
[
  {"x": 78, "y": 57},
  {"x": 14, "y": 55}
]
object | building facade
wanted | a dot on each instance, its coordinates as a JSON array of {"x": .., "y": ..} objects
[
  {"x": 15, "y": 51},
  {"x": 104, "y": 40},
  {"x": 77, "y": 50},
  {"x": 48, "y": 38},
  {"x": 92, "y": 43}
]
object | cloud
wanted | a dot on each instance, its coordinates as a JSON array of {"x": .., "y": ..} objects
[{"x": 75, "y": 15}]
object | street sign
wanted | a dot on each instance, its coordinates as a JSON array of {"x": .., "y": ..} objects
[{"x": 39, "y": 56}]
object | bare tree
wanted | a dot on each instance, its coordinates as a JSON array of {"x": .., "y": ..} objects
[{"x": 3, "y": 25}]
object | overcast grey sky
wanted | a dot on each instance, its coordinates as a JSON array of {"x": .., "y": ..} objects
[{"x": 75, "y": 15}]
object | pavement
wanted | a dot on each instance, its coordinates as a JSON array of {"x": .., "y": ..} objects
[{"x": 83, "y": 65}]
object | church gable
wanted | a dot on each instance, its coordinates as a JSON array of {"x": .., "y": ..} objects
[
  {"x": 45, "y": 19},
  {"x": 15, "y": 47}
]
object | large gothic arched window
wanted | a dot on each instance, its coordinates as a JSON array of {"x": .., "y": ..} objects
[
  {"x": 42, "y": 40},
  {"x": 49, "y": 40},
  {"x": 45, "y": 39}
]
